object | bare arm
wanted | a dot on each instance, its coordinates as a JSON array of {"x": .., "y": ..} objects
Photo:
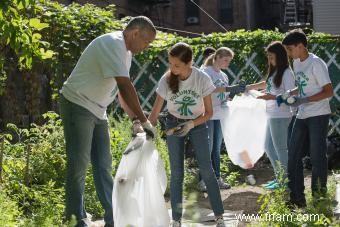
[
  {"x": 208, "y": 111},
  {"x": 129, "y": 95},
  {"x": 326, "y": 92},
  {"x": 257, "y": 86},
  {"x": 157, "y": 107},
  {"x": 267, "y": 96},
  {"x": 125, "y": 107}
]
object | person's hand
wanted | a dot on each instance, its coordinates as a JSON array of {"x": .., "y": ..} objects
[
  {"x": 185, "y": 127},
  {"x": 137, "y": 143},
  {"x": 237, "y": 88},
  {"x": 149, "y": 129},
  {"x": 282, "y": 98},
  {"x": 296, "y": 101},
  {"x": 137, "y": 127}
]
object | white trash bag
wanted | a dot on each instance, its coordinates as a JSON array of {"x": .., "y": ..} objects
[
  {"x": 244, "y": 129},
  {"x": 139, "y": 187}
]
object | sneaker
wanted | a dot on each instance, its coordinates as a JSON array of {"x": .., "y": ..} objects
[
  {"x": 222, "y": 184},
  {"x": 176, "y": 224},
  {"x": 269, "y": 183},
  {"x": 276, "y": 186},
  {"x": 201, "y": 186},
  {"x": 220, "y": 222}
]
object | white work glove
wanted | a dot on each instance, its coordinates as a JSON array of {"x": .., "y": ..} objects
[
  {"x": 149, "y": 129},
  {"x": 185, "y": 128},
  {"x": 296, "y": 101},
  {"x": 136, "y": 127}
]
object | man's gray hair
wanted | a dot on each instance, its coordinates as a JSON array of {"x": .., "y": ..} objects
[{"x": 142, "y": 23}]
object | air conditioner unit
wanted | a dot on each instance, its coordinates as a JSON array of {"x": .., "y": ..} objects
[{"x": 192, "y": 20}]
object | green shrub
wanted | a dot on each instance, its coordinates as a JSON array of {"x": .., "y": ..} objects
[{"x": 9, "y": 210}]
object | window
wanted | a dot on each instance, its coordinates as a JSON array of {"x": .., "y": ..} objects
[
  {"x": 226, "y": 11},
  {"x": 192, "y": 13}
]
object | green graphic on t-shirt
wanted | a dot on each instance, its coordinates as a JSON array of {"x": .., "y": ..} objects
[
  {"x": 221, "y": 96},
  {"x": 269, "y": 86},
  {"x": 301, "y": 82},
  {"x": 185, "y": 103}
]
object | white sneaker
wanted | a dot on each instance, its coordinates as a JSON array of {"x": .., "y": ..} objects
[
  {"x": 176, "y": 224},
  {"x": 201, "y": 186},
  {"x": 220, "y": 222}
]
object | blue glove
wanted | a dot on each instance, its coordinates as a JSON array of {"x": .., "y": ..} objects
[{"x": 282, "y": 98}]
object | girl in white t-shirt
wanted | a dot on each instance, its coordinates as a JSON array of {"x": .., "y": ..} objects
[
  {"x": 187, "y": 91},
  {"x": 280, "y": 78}
]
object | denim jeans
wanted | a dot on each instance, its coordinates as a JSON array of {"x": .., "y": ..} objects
[
  {"x": 87, "y": 139},
  {"x": 316, "y": 129},
  {"x": 276, "y": 143},
  {"x": 200, "y": 141},
  {"x": 305, "y": 145},
  {"x": 215, "y": 139}
]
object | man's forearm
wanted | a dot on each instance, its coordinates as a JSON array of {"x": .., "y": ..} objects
[
  {"x": 125, "y": 107},
  {"x": 129, "y": 95}
]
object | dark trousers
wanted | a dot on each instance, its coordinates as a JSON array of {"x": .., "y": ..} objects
[{"x": 315, "y": 128}]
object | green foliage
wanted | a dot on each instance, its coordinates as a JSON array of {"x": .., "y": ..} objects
[
  {"x": 9, "y": 210},
  {"x": 21, "y": 32},
  {"x": 229, "y": 171},
  {"x": 315, "y": 214},
  {"x": 34, "y": 163}
]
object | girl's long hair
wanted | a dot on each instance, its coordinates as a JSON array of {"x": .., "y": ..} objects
[
  {"x": 183, "y": 52},
  {"x": 281, "y": 62}
]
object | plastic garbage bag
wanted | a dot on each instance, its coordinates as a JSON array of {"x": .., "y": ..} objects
[
  {"x": 244, "y": 129},
  {"x": 139, "y": 186}
]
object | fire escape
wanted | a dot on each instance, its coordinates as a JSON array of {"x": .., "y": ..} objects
[{"x": 297, "y": 13}]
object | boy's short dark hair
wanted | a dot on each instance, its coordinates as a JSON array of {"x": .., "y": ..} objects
[
  {"x": 295, "y": 37},
  {"x": 208, "y": 51}
]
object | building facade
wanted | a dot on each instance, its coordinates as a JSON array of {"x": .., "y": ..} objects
[{"x": 206, "y": 16}]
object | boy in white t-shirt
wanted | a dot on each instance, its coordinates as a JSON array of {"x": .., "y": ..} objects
[
  {"x": 102, "y": 70},
  {"x": 311, "y": 96}
]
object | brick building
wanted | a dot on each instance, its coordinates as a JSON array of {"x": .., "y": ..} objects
[{"x": 186, "y": 15}]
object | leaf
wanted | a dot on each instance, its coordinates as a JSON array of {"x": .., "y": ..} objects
[
  {"x": 36, "y": 37},
  {"x": 35, "y": 23},
  {"x": 46, "y": 54}
]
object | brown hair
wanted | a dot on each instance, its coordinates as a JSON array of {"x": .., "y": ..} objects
[
  {"x": 220, "y": 52},
  {"x": 282, "y": 63},
  {"x": 183, "y": 52}
]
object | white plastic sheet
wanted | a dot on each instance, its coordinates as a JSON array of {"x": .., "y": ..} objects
[
  {"x": 244, "y": 129},
  {"x": 139, "y": 186}
]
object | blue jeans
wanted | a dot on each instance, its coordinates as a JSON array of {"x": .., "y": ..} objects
[
  {"x": 316, "y": 129},
  {"x": 200, "y": 141},
  {"x": 276, "y": 143},
  {"x": 215, "y": 139},
  {"x": 87, "y": 139}
]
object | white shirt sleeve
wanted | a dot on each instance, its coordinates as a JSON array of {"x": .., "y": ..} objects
[
  {"x": 288, "y": 79},
  {"x": 320, "y": 72},
  {"x": 208, "y": 85},
  {"x": 162, "y": 89}
]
